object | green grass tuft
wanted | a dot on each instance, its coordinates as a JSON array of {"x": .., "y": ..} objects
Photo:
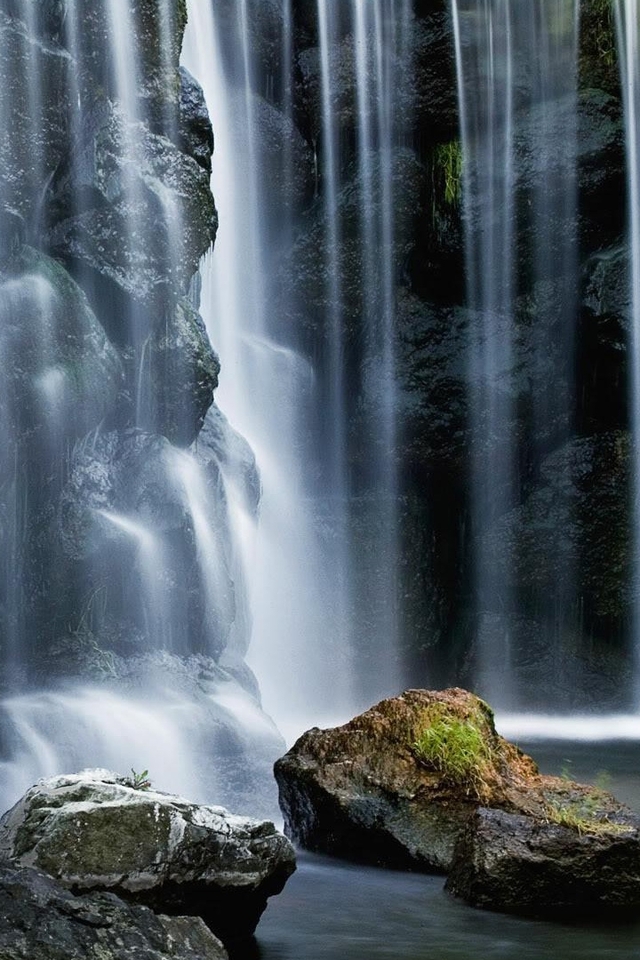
[
  {"x": 448, "y": 161},
  {"x": 456, "y": 749}
]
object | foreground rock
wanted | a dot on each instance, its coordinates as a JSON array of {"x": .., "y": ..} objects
[
  {"x": 519, "y": 864},
  {"x": 361, "y": 790},
  {"x": 97, "y": 832},
  {"x": 423, "y": 781},
  {"x": 40, "y": 919}
]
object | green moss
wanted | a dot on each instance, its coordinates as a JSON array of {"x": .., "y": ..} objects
[{"x": 584, "y": 814}]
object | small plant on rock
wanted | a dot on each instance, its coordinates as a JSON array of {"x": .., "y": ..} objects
[
  {"x": 457, "y": 749},
  {"x": 138, "y": 781},
  {"x": 584, "y": 813}
]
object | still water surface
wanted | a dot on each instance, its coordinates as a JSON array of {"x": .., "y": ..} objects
[{"x": 331, "y": 910}]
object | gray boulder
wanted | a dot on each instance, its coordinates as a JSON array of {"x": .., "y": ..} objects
[
  {"x": 99, "y": 832},
  {"x": 40, "y": 918},
  {"x": 518, "y": 864}
]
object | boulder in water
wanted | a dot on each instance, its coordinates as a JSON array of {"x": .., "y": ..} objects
[
  {"x": 99, "y": 832},
  {"x": 363, "y": 790},
  {"x": 423, "y": 781}
]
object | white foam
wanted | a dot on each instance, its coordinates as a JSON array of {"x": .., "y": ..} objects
[{"x": 582, "y": 727}]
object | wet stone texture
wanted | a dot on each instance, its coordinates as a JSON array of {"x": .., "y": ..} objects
[
  {"x": 98, "y": 832},
  {"x": 41, "y": 919}
]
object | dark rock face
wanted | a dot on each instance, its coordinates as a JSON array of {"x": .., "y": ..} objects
[
  {"x": 196, "y": 135},
  {"x": 516, "y": 864},
  {"x": 41, "y": 918},
  {"x": 62, "y": 375},
  {"x": 96, "y": 832},
  {"x": 396, "y": 787},
  {"x": 144, "y": 479},
  {"x": 128, "y": 174},
  {"x": 562, "y": 395}
]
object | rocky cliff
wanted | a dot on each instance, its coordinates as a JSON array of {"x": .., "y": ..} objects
[{"x": 558, "y": 531}]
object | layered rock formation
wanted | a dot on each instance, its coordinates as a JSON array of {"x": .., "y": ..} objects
[{"x": 118, "y": 558}]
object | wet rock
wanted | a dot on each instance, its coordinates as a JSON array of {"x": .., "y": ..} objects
[
  {"x": 62, "y": 375},
  {"x": 220, "y": 447},
  {"x": 518, "y": 864},
  {"x": 601, "y": 170},
  {"x": 425, "y": 89},
  {"x": 98, "y": 832},
  {"x": 133, "y": 215},
  {"x": 196, "y": 134},
  {"x": 304, "y": 279},
  {"x": 178, "y": 369},
  {"x": 574, "y": 525},
  {"x": 360, "y": 791},
  {"x": 423, "y": 781},
  {"x": 39, "y": 132},
  {"x": 40, "y": 918},
  {"x": 150, "y": 33},
  {"x": 156, "y": 530}
]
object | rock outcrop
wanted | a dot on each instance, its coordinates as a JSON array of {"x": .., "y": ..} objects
[
  {"x": 98, "y": 832},
  {"x": 524, "y": 865},
  {"x": 423, "y": 781},
  {"x": 40, "y": 918}
]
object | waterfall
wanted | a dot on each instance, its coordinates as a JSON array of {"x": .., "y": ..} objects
[
  {"x": 324, "y": 562},
  {"x": 173, "y": 565},
  {"x": 628, "y": 24},
  {"x": 123, "y": 614},
  {"x": 517, "y": 80}
]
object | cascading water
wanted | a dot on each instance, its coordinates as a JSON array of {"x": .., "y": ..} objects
[
  {"x": 324, "y": 607},
  {"x": 122, "y": 605},
  {"x": 128, "y": 528},
  {"x": 517, "y": 80},
  {"x": 628, "y": 23}
]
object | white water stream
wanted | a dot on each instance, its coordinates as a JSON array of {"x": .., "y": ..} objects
[
  {"x": 628, "y": 23},
  {"x": 517, "y": 76}
]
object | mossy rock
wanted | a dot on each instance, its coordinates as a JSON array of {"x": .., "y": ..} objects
[{"x": 370, "y": 791}]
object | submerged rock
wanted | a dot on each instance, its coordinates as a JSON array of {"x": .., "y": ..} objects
[
  {"x": 40, "y": 918},
  {"x": 99, "y": 832},
  {"x": 423, "y": 781}
]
